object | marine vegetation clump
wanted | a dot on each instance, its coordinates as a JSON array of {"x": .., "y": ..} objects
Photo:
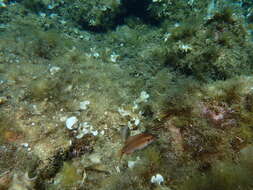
[
  {"x": 219, "y": 49},
  {"x": 182, "y": 97},
  {"x": 212, "y": 120},
  {"x": 146, "y": 164},
  {"x": 47, "y": 44},
  {"x": 44, "y": 88},
  {"x": 229, "y": 106},
  {"x": 223, "y": 16},
  {"x": 68, "y": 177},
  {"x": 34, "y": 5},
  {"x": 96, "y": 15},
  {"x": 185, "y": 30},
  {"x": 224, "y": 175},
  {"x": 8, "y": 130},
  {"x": 175, "y": 10}
]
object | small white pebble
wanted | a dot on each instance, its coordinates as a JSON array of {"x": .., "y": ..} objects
[
  {"x": 63, "y": 22},
  {"x": 26, "y": 145},
  {"x": 117, "y": 169},
  {"x": 135, "y": 106},
  {"x": 96, "y": 55},
  {"x": 54, "y": 70},
  {"x": 143, "y": 97},
  {"x": 102, "y": 132},
  {"x": 70, "y": 122},
  {"x": 95, "y": 158},
  {"x": 64, "y": 118},
  {"x": 84, "y": 105},
  {"x": 43, "y": 15},
  {"x": 94, "y": 133},
  {"x": 53, "y": 15},
  {"x": 131, "y": 164},
  {"x": 114, "y": 57},
  {"x": 158, "y": 179},
  {"x": 136, "y": 121},
  {"x": 50, "y": 6}
]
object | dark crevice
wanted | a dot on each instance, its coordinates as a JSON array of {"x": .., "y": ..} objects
[{"x": 136, "y": 8}]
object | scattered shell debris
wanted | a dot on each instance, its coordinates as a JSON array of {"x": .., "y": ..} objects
[
  {"x": 134, "y": 117},
  {"x": 84, "y": 129}
]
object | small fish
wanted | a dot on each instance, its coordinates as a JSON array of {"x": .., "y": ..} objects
[{"x": 136, "y": 142}]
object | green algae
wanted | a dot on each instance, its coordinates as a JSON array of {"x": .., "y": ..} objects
[
  {"x": 68, "y": 177},
  {"x": 223, "y": 175}
]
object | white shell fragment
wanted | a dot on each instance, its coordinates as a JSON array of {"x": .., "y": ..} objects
[
  {"x": 70, "y": 122},
  {"x": 84, "y": 105},
  {"x": 157, "y": 179}
]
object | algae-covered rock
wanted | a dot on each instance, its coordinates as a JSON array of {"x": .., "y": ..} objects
[
  {"x": 68, "y": 177},
  {"x": 93, "y": 15},
  {"x": 218, "y": 48},
  {"x": 175, "y": 10}
]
